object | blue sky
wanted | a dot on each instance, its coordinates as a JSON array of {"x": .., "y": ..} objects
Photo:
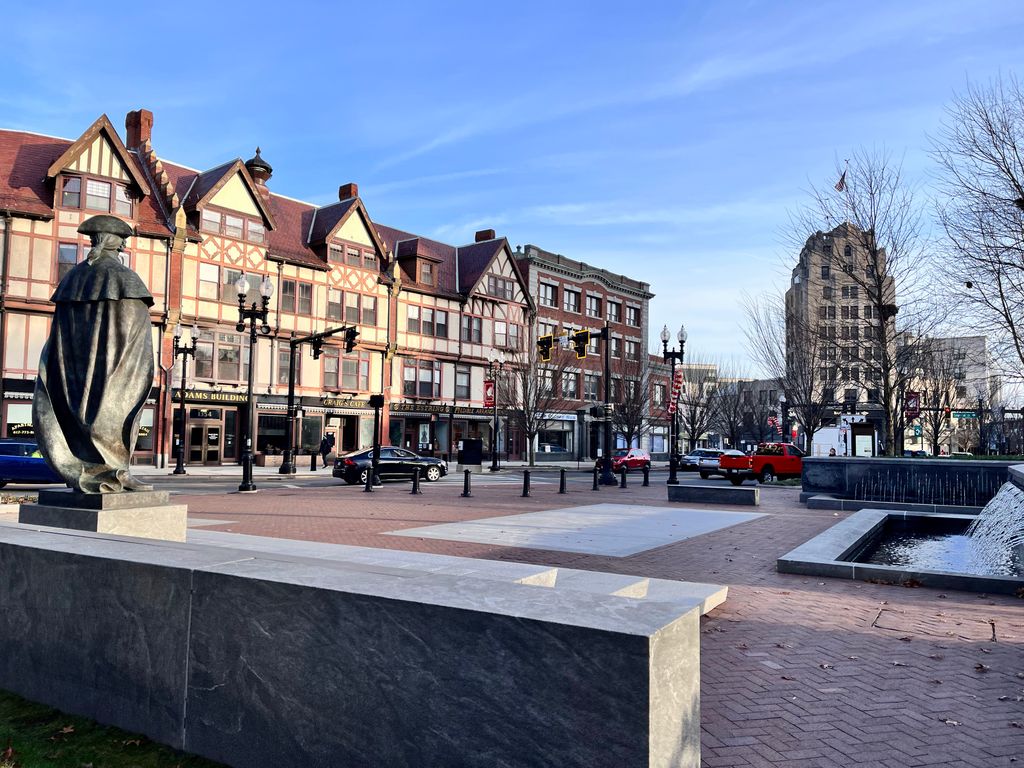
[{"x": 666, "y": 140}]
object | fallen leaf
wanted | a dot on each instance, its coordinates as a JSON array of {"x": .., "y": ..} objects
[
  {"x": 936, "y": 656},
  {"x": 983, "y": 650},
  {"x": 853, "y": 658},
  {"x": 936, "y": 682},
  {"x": 787, "y": 677},
  {"x": 1003, "y": 698},
  {"x": 951, "y": 722},
  {"x": 1016, "y": 724},
  {"x": 743, "y": 646},
  {"x": 898, "y": 664},
  {"x": 907, "y": 639},
  {"x": 826, "y": 666},
  {"x": 981, "y": 667}
]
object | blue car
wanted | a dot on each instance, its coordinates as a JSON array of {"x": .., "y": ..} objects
[{"x": 19, "y": 465}]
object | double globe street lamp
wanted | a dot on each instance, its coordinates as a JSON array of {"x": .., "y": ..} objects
[
  {"x": 671, "y": 356},
  {"x": 497, "y": 362},
  {"x": 253, "y": 314},
  {"x": 184, "y": 352}
]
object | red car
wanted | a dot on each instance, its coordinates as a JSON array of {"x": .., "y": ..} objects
[{"x": 634, "y": 458}]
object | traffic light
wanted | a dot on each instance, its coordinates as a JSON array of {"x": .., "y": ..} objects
[
  {"x": 580, "y": 341},
  {"x": 945, "y": 411},
  {"x": 544, "y": 345},
  {"x": 350, "y": 338},
  {"x": 318, "y": 347}
]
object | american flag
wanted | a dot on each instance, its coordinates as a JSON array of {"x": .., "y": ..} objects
[{"x": 841, "y": 184}]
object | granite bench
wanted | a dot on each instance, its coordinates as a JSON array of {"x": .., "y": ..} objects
[{"x": 713, "y": 494}]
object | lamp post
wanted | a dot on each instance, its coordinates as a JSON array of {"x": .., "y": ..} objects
[
  {"x": 184, "y": 353},
  {"x": 784, "y": 418},
  {"x": 252, "y": 314},
  {"x": 497, "y": 358},
  {"x": 671, "y": 356}
]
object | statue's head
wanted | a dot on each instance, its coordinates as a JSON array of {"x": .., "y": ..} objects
[{"x": 106, "y": 231}]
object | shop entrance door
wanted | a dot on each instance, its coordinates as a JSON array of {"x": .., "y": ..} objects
[{"x": 204, "y": 444}]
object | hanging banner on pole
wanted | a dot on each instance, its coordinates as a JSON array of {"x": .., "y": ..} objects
[
  {"x": 488, "y": 393},
  {"x": 913, "y": 406}
]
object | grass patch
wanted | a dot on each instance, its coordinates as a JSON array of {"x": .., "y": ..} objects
[{"x": 37, "y": 736}]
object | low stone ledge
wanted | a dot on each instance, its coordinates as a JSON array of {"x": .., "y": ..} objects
[{"x": 711, "y": 494}]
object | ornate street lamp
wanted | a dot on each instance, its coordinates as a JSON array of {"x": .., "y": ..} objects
[
  {"x": 252, "y": 314},
  {"x": 497, "y": 358},
  {"x": 184, "y": 353},
  {"x": 671, "y": 356}
]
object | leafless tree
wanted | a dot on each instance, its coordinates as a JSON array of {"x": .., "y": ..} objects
[
  {"x": 730, "y": 407},
  {"x": 632, "y": 411},
  {"x": 939, "y": 372},
  {"x": 877, "y": 212},
  {"x": 980, "y": 150},
  {"x": 528, "y": 390},
  {"x": 793, "y": 353},
  {"x": 698, "y": 400}
]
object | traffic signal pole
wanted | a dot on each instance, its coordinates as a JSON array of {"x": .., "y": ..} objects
[{"x": 607, "y": 477}]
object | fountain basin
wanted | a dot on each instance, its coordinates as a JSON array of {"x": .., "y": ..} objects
[{"x": 835, "y": 553}]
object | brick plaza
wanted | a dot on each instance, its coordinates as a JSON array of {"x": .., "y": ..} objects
[{"x": 795, "y": 671}]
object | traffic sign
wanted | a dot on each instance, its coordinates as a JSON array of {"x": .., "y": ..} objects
[{"x": 965, "y": 414}]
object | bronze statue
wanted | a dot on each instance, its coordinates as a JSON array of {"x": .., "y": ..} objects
[{"x": 96, "y": 368}]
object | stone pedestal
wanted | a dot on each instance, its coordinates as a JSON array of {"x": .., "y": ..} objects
[{"x": 146, "y": 514}]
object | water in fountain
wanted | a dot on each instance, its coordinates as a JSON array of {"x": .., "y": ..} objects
[{"x": 998, "y": 533}]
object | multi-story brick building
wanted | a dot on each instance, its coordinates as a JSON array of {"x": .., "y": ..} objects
[
  {"x": 571, "y": 295},
  {"x": 426, "y": 312}
]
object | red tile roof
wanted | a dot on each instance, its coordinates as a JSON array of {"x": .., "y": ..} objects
[
  {"x": 405, "y": 244},
  {"x": 24, "y": 158},
  {"x": 326, "y": 219}
]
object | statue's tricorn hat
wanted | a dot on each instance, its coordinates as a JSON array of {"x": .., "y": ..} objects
[{"x": 104, "y": 224}]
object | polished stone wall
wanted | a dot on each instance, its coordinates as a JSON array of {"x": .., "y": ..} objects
[{"x": 259, "y": 659}]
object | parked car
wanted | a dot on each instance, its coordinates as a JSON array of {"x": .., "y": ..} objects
[
  {"x": 692, "y": 459},
  {"x": 21, "y": 462},
  {"x": 771, "y": 461},
  {"x": 712, "y": 465},
  {"x": 394, "y": 462},
  {"x": 919, "y": 454},
  {"x": 632, "y": 459}
]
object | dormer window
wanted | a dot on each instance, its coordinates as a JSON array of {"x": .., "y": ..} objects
[
  {"x": 102, "y": 196},
  {"x": 426, "y": 273},
  {"x": 72, "y": 196},
  {"x": 232, "y": 225}
]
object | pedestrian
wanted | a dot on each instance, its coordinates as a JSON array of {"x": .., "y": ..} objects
[
  {"x": 325, "y": 447},
  {"x": 831, "y": 451}
]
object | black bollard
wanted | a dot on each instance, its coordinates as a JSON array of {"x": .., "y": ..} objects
[
  {"x": 647, "y": 476},
  {"x": 526, "y": 483},
  {"x": 416, "y": 482},
  {"x": 561, "y": 481},
  {"x": 622, "y": 481},
  {"x": 596, "y": 474},
  {"x": 368, "y": 486},
  {"x": 467, "y": 484},
  {"x": 312, "y": 461}
]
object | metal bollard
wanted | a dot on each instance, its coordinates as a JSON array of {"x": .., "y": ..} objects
[
  {"x": 467, "y": 484},
  {"x": 647, "y": 476},
  {"x": 526, "y": 483},
  {"x": 561, "y": 481},
  {"x": 596, "y": 474},
  {"x": 622, "y": 480},
  {"x": 416, "y": 482},
  {"x": 312, "y": 461},
  {"x": 368, "y": 487}
]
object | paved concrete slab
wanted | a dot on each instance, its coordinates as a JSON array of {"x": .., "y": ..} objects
[{"x": 618, "y": 530}]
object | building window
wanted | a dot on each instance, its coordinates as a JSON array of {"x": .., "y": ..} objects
[
  {"x": 500, "y": 287},
  {"x": 427, "y": 321},
  {"x": 426, "y": 273},
  {"x": 288, "y": 295},
  {"x": 355, "y": 372},
  {"x": 353, "y": 258},
  {"x": 593, "y": 306},
  {"x": 210, "y": 221},
  {"x": 658, "y": 395},
  {"x": 222, "y": 356},
  {"x": 122, "y": 203},
  {"x": 548, "y": 295},
  {"x": 257, "y": 232},
  {"x": 500, "y": 334},
  {"x": 336, "y": 254},
  {"x": 614, "y": 312},
  {"x": 334, "y": 304},
  {"x": 616, "y": 349},
  {"x": 592, "y": 344},
  {"x": 229, "y": 293},
  {"x": 71, "y": 197},
  {"x": 305, "y": 298},
  {"x": 546, "y": 329},
  {"x": 851, "y": 291},
  {"x": 332, "y": 364},
  {"x": 284, "y": 357},
  {"x": 67, "y": 257},
  {"x": 591, "y": 384},
  {"x": 369, "y": 310},
  {"x": 209, "y": 281},
  {"x": 546, "y": 381},
  {"x": 352, "y": 307},
  {"x": 570, "y": 385},
  {"x": 233, "y": 226},
  {"x": 632, "y": 350},
  {"x": 571, "y": 301},
  {"x": 515, "y": 336},
  {"x": 421, "y": 378},
  {"x": 412, "y": 319},
  {"x": 97, "y": 195},
  {"x": 463, "y": 378},
  {"x": 826, "y": 292},
  {"x": 472, "y": 329},
  {"x": 633, "y": 316},
  {"x": 826, "y": 272}
]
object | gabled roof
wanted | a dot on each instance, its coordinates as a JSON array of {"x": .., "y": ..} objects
[
  {"x": 331, "y": 218},
  {"x": 476, "y": 258},
  {"x": 405, "y": 244},
  {"x": 72, "y": 153},
  {"x": 209, "y": 183}
]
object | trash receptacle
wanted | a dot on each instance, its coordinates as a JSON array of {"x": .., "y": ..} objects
[{"x": 470, "y": 455}]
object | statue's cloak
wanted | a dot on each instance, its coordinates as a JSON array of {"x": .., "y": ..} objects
[{"x": 95, "y": 374}]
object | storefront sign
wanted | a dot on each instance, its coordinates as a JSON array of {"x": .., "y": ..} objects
[
  {"x": 204, "y": 413},
  {"x": 207, "y": 396},
  {"x": 344, "y": 402},
  {"x": 440, "y": 408},
  {"x": 21, "y": 430}
]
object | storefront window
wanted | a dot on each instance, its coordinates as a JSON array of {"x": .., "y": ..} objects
[
  {"x": 312, "y": 432},
  {"x": 271, "y": 431},
  {"x": 146, "y": 435},
  {"x": 19, "y": 420}
]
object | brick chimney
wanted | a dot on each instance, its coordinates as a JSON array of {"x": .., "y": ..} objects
[
  {"x": 484, "y": 234},
  {"x": 138, "y": 127},
  {"x": 345, "y": 191}
]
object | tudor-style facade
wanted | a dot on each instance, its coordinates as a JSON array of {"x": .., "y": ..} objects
[{"x": 427, "y": 313}]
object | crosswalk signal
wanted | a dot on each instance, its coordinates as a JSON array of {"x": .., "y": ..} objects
[
  {"x": 544, "y": 345},
  {"x": 350, "y": 339},
  {"x": 580, "y": 342}
]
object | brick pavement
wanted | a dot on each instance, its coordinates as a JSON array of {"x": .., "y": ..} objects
[{"x": 796, "y": 671}]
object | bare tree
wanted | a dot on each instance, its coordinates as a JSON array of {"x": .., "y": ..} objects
[
  {"x": 529, "y": 390},
  {"x": 698, "y": 400},
  {"x": 981, "y": 153},
  {"x": 631, "y": 415},
  {"x": 877, "y": 214},
  {"x": 730, "y": 406},
  {"x": 938, "y": 376},
  {"x": 796, "y": 355}
]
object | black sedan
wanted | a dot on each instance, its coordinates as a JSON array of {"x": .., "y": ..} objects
[{"x": 394, "y": 462}]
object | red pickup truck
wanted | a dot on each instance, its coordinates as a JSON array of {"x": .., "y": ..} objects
[{"x": 770, "y": 462}]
